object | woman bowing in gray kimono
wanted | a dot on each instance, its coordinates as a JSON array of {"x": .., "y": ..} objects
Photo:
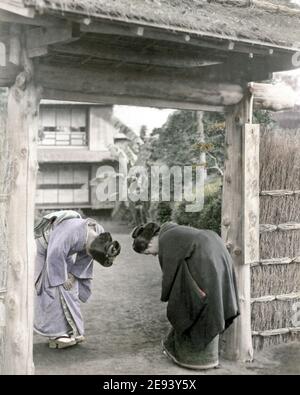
[
  {"x": 199, "y": 285},
  {"x": 67, "y": 245}
]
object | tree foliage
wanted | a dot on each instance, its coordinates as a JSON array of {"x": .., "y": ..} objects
[
  {"x": 173, "y": 143},
  {"x": 208, "y": 218},
  {"x": 176, "y": 142}
]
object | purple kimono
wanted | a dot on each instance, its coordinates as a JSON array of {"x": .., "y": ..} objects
[{"x": 57, "y": 311}]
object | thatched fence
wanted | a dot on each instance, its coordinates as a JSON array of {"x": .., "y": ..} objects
[{"x": 275, "y": 280}]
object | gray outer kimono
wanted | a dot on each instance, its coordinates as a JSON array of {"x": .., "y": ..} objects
[
  {"x": 53, "y": 263},
  {"x": 198, "y": 282}
]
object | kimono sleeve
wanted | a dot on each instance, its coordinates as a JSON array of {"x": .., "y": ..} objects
[
  {"x": 171, "y": 260},
  {"x": 186, "y": 301},
  {"x": 57, "y": 262},
  {"x": 83, "y": 266}
]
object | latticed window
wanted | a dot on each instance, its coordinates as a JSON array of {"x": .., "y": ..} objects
[
  {"x": 63, "y": 126},
  {"x": 63, "y": 184}
]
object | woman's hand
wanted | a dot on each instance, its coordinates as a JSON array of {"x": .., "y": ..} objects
[{"x": 70, "y": 282}]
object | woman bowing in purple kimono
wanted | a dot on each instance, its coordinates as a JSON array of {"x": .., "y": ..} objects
[{"x": 67, "y": 245}]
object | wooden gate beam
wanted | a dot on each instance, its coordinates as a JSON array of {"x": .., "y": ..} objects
[
  {"x": 135, "y": 83},
  {"x": 39, "y": 38},
  {"x": 22, "y": 129},
  {"x": 153, "y": 57}
]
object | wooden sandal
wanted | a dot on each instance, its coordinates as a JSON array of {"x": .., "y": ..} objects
[
  {"x": 62, "y": 342},
  {"x": 79, "y": 339}
]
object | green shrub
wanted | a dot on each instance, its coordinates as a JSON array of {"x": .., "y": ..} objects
[
  {"x": 164, "y": 212},
  {"x": 208, "y": 218}
]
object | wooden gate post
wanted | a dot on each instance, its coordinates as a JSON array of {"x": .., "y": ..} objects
[
  {"x": 240, "y": 218},
  {"x": 3, "y": 264},
  {"x": 22, "y": 131}
]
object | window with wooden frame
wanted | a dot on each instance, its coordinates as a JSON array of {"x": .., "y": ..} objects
[{"x": 63, "y": 126}]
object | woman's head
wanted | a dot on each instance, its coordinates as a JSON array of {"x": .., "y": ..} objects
[
  {"x": 146, "y": 238},
  {"x": 104, "y": 249}
]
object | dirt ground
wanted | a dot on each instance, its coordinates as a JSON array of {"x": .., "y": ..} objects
[{"x": 125, "y": 321}]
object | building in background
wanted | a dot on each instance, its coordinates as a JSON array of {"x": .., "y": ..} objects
[{"x": 75, "y": 139}]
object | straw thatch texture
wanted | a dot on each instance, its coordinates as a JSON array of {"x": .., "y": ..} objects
[
  {"x": 245, "y": 22},
  {"x": 275, "y": 280},
  {"x": 280, "y": 244},
  {"x": 280, "y": 209},
  {"x": 280, "y": 160},
  {"x": 280, "y": 170},
  {"x": 261, "y": 342},
  {"x": 274, "y": 315}
]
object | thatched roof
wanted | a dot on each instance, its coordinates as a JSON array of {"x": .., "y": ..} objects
[{"x": 223, "y": 19}]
